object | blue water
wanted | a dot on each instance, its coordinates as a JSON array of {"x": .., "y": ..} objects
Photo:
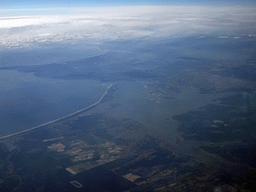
[{"x": 27, "y": 101}]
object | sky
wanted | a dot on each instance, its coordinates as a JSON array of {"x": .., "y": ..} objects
[
  {"x": 27, "y": 23},
  {"x": 29, "y": 4}
]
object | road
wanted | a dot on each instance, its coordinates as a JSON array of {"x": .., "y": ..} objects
[{"x": 62, "y": 118}]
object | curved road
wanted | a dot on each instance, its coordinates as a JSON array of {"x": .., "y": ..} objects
[{"x": 62, "y": 118}]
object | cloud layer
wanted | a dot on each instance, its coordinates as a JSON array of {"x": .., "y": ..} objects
[{"x": 125, "y": 23}]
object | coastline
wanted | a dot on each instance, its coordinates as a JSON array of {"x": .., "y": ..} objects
[{"x": 62, "y": 118}]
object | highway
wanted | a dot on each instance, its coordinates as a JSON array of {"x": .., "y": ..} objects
[{"x": 62, "y": 118}]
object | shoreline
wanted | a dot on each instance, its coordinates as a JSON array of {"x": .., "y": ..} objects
[{"x": 61, "y": 118}]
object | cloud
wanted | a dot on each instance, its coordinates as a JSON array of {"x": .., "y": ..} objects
[{"x": 125, "y": 23}]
